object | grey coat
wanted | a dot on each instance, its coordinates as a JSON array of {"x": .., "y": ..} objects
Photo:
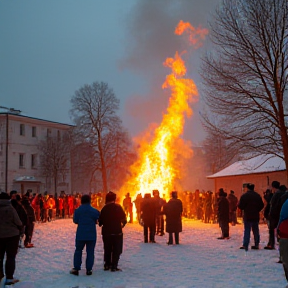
[{"x": 10, "y": 223}]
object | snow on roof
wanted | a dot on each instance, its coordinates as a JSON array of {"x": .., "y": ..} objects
[
  {"x": 26, "y": 178},
  {"x": 258, "y": 164}
]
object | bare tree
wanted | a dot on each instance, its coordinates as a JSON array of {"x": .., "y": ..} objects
[
  {"x": 246, "y": 76},
  {"x": 218, "y": 154},
  {"x": 55, "y": 158},
  {"x": 94, "y": 113}
]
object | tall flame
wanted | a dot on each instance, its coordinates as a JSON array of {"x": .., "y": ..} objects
[{"x": 157, "y": 166}]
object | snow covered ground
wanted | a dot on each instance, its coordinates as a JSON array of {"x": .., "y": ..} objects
[{"x": 199, "y": 261}]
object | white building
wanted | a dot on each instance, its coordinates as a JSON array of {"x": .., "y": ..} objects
[{"x": 19, "y": 153}]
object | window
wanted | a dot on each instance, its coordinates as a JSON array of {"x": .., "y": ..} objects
[
  {"x": 21, "y": 160},
  {"x": 33, "y": 131},
  {"x": 58, "y": 135},
  {"x": 33, "y": 160},
  {"x": 48, "y": 132},
  {"x": 22, "y": 129}
]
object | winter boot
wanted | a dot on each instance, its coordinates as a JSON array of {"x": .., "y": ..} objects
[{"x": 74, "y": 271}]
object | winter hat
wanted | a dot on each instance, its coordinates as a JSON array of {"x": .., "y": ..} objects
[
  {"x": 110, "y": 197},
  {"x": 155, "y": 192},
  {"x": 221, "y": 192},
  {"x": 283, "y": 188},
  {"x": 174, "y": 194},
  {"x": 85, "y": 199},
  {"x": 147, "y": 195},
  {"x": 275, "y": 184},
  {"x": 12, "y": 192},
  {"x": 4, "y": 195},
  {"x": 250, "y": 186}
]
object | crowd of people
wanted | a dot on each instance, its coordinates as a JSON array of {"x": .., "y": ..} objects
[{"x": 152, "y": 211}]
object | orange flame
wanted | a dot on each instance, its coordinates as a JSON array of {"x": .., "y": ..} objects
[
  {"x": 196, "y": 35},
  {"x": 158, "y": 165}
]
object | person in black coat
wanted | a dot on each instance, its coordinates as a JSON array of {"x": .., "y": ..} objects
[
  {"x": 233, "y": 201},
  {"x": 173, "y": 212},
  {"x": 29, "y": 228},
  {"x": 251, "y": 203},
  {"x": 148, "y": 210},
  {"x": 274, "y": 213},
  {"x": 223, "y": 214},
  {"x": 268, "y": 196},
  {"x": 15, "y": 202},
  {"x": 112, "y": 219}
]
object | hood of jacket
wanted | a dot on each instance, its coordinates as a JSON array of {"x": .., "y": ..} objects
[{"x": 4, "y": 203}]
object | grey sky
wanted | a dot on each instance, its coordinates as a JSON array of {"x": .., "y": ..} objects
[{"x": 49, "y": 49}]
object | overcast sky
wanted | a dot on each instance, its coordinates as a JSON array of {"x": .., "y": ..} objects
[{"x": 49, "y": 49}]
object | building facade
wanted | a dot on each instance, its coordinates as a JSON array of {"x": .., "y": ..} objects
[
  {"x": 20, "y": 138},
  {"x": 260, "y": 170}
]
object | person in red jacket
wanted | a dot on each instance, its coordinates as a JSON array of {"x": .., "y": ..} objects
[{"x": 61, "y": 207}]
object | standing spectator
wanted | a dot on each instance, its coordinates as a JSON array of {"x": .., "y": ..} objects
[
  {"x": 137, "y": 203},
  {"x": 61, "y": 207},
  {"x": 148, "y": 216},
  {"x": 251, "y": 203},
  {"x": 233, "y": 201},
  {"x": 56, "y": 205},
  {"x": 271, "y": 241},
  {"x": 223, "y": 214},
  {"x": 173, "y": 212},
  {"x": 70, "y": 205},
  {"x": 36, "y": 205},
  {"x": 112, "y": 220},
  {"x": 86, "y": 218},
  {"x": 29, "y": 228},
  {"x": 159, "y": 202},
  {"x": 128, "y": 207},
  {"x": 16, "y": 203},
  {"x": 282, "y": 230},
  {"x": 10, "y": 226},
  {"x": 208, "y": 206},
  {"x": 274, "y": 214},
  {"x": 51, "y": 207}
]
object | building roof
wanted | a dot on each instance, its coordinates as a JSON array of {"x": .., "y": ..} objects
[
  {"x": 29, "y": 117},
  {"x": 258, "y": 164}
]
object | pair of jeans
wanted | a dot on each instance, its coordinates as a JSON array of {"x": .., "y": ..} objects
[
  {"x": 90, "y": 246},
  {"x": 9, "y": 246},
  {"x": 248, "y": 226}
]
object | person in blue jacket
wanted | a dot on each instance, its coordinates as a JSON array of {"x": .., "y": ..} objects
[
  {"x": 86, "y": 218},
  {"x": 282, "y": 230}
]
